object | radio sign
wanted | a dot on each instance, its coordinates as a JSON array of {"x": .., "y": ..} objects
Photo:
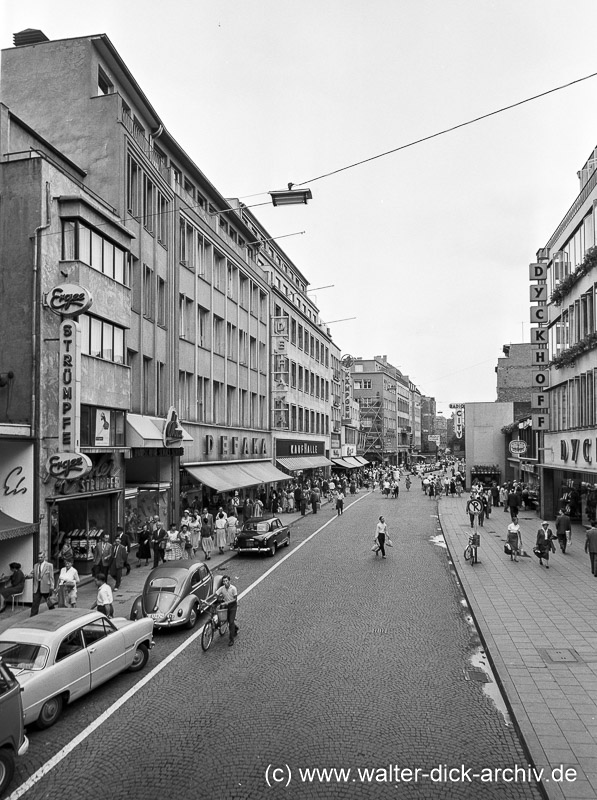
[{"x": 518, "y": 447}]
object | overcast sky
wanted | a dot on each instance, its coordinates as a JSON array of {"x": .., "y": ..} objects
[{"x": 428, "y": 247}]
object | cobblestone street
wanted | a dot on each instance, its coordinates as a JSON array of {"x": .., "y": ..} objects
[{"x": 344, "y": 661}]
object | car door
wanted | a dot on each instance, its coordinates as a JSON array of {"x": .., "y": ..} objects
[
  {"x": 71, "y": 668},
  {"x": 201, "y": 582},
  {"x": 106, "y": 648},
  {"x": 278, "y": 531}
]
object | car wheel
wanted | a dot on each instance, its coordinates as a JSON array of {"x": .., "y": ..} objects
[
  {"x": 273, "y": 547},
  {"x": 50, "y": 711},
  {"x": 7, "y": 768},
  {"x": 140, "y": 658},
  {"x": 192, "y": 620}
]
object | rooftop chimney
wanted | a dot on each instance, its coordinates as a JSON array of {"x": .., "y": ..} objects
[{"x": 29, "y": 36}]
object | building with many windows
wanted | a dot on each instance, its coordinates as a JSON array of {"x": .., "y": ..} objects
[
  {"x": 188, "y": 289},
  {"x": 569, "y": 469}
]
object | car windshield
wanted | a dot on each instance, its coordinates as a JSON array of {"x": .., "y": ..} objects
[
  {"x": 20, "y": 655},
  {"x": 163, "y": 585},
  {"x": 259, "y": 527}
]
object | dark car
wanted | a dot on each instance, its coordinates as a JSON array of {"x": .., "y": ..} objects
[
  {"x": 173, "y": 592},
  {"x": 262, "y": 535},
  {"x": 13, "y": 742}
]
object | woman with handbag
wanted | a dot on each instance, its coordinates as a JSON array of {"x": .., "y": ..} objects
[
  {"x": 544, "y": 545},
  {"x": 514, "y": 539}
]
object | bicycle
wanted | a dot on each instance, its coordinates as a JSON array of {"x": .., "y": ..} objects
[
  {"x": 470, "y": 553},
  {"x": 218, "y": 621}
]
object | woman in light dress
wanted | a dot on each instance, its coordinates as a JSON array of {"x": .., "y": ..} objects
[
  {"x": 231, "y": 529},
  {"x": 173, "y": 549},
  {"x": 220, "y": 523},
  {"x": 68, "y": 581}
]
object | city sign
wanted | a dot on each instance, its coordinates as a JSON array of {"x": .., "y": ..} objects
[
  {"x": 68, "y": 299},
  {"x": 517, "y": 447}
]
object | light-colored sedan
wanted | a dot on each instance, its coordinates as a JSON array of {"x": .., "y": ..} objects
[{"x": 62, "y": 654}]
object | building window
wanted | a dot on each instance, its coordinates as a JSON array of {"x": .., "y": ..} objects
[
  {"x": 148, "y": 204},
  {"x": 203, "y": 327},
  {"x": 102, "y": 339},
  {"x": 81, "y": 243},
  {"x": 148, "y": 298},
  {"x": 133, "y": 186},
  {"x": 161, "y": 302},
  {"x": 104, "y": 84},
  {"x": 218, "y": 342}
]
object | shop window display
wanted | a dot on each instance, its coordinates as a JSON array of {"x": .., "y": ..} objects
[{"x": 84, "y": 520}]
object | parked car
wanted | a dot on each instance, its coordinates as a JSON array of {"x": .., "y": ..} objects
[
  {"x": 262, "y": 535},
  {"x": 172, "y": 593},
  {"x": 60, "y": 656},
  {"x": 13, "y": 742}
]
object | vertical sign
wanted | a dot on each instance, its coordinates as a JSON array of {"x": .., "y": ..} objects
[
  {"x": 458, "y": 419},
  {"x": 540, "y": 353},
  {"x": 280, "y": 373},
  {"x": 69, "y": 387}
]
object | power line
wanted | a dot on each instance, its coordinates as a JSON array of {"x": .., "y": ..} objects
[{"x": 448, "y": 130}]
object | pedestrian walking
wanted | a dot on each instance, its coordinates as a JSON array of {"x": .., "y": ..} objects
[
  {"x": 514, "y": 539},
  {"x": 231, "y": 529},
  {"x": 43, "y": 583},
  {"x": 591, "y": 546},
  {"x": 105, "y": 599},
  {"x": 102, "y": 555},
  {"x": 513, "y": 503},
  {"x": 544, "y": 545},
  {"x": 207, "y": 529},
  {"x": 408, "y": 483},
  {"x": 186, "y": 546},
  {"x": 158, "y": 542},
  {"x": 119, "y": 561},
  {"x": 381, "y": 531},
  {"x": 220, "y": 523},
  {"x": 68, "y": 580},
  {"x": 229, "y": 596},
  {"x": 144, "y": 549},
  {"x": 563, "y": 530},
  {"x": 339, "y": 502}
]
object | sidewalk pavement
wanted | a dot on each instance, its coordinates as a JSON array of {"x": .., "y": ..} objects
[
  {"x": 539, "y": 628},
  {"x": 132, "y": 584}
]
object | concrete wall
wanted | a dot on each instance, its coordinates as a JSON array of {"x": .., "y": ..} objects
[{"x": 485, "y": 442}]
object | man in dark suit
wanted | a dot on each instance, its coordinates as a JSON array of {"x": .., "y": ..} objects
[
  {"x": 119, "y": 560},
  {"x": 563, "y": 529},
  {"x": 591, "y": 546},
  {"x": 102, "y": 555}
]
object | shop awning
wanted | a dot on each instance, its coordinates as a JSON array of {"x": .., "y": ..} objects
[
  {"x": 362, "y": 461},
  {"x": 344, "y": 463},
  {"x": 304, "y": 462},
  {"x": 142, "y": 431},
  {"x": 10, "y": 527},
  {"x": 353, "y": 461},
  {"x": 226, "y": 477}
]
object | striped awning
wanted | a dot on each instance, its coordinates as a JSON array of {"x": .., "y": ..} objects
[
  {"x": 226, "y": 477},
  {"x": 10, "y": 527},
  {"x": 295, "y": 463}
]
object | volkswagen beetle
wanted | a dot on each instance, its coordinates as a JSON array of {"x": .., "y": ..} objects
[{"x": 173, "y": 592}]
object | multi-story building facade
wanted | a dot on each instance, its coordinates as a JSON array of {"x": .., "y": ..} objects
[
  {"x": 184, "y": 314},
  {"x": 428, "y": 414},
  {"x": 403, "y": 418},
  {"x": 569, "y": 469},
  {"x": 514, "y": 374},
  {"x": 374, "y": 386},
  {"x": 64, "y": 381},
  {"x": 415, "y": 418},
  {"x": 305, "y": 387}
]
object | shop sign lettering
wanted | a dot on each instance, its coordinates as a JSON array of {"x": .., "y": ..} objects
[
  {"x": 69, "y": 383},
  {"x": 235, "y": 445},
  {"x": 570, "y": 450},
  {"x": 102, "y": 476},
  {"x": 69, "y": 300},
  {"x": 68, "y": 466},
  {"x": 13, "y": 483},
  {"x": 173, "y": 432}
]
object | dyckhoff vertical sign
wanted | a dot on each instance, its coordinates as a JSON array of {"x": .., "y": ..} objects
[{"x": 540, "y": 352}]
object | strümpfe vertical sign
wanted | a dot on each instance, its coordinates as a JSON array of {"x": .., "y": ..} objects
[{"x": 69, "y": 386}]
